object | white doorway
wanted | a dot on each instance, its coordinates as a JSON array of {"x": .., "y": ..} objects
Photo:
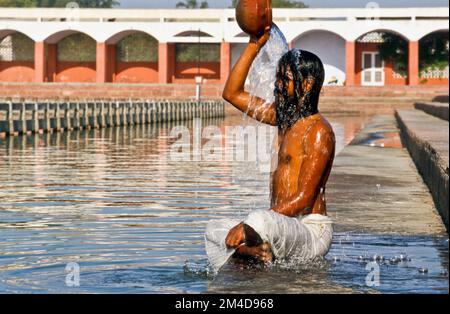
[{"x": 372, "y": 69}]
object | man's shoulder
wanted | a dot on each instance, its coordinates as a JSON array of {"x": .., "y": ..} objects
[{"x": 321, "y": 127}]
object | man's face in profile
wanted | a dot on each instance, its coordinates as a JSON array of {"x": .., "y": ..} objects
[{"x": 286, "y": 84}]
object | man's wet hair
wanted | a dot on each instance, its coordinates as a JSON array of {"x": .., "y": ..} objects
[{"x": 303, "y": 65}]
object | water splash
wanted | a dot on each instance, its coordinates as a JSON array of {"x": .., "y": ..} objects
[
  {"x": 198, "y": 269},
  {"x": 262, "y": 75}
]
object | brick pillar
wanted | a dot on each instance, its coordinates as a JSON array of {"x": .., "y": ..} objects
[
  {"x": 39, "y": 62},
  {"x": 102, "y": 61},
  {"x": 350, "y": 69},
  {"x": 225, "y": 61},
  {"x": 52, "y": 62},
  {"x": 111, "y": 68},
  {"x": 166, "y": 60},
  {"x": 413, "y": 63}
]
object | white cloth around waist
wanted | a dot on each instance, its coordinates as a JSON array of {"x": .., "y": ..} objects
[{"x": 299, "y": 239}]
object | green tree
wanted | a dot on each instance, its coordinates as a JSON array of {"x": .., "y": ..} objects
[
  {"x": 434, "y": 51},
  {"x": 281, "y": 4},
  {"x": 394, "y": 49},
  {"x": 17, "y": 3},
  {"x": 58, "y": 3},
  {"x": 81, "y": 3},
  {"x": 192, "y": 4}
]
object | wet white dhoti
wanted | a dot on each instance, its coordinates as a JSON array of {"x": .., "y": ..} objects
[{"x": 298, "y": 239}]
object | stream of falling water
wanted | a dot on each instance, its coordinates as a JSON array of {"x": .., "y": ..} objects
[{"x": 261, "y": 77}]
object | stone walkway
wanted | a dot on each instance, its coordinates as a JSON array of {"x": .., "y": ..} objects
[
  {"x": 436, "y": 109},
  {"x": 375, "y": 187}
]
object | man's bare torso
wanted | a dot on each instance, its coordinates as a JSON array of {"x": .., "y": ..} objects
[
  {"x": 292, "y": 152},
  {"x": 306, "y": 150}
]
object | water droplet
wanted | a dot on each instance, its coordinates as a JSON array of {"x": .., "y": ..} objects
[
  {"x": 378, "y": 258},
  {"x": 394, "y": 261}
]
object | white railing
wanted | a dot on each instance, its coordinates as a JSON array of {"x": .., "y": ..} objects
[
  {"x": 217, "y": 15},
  {"x": 435, "y": 73}
]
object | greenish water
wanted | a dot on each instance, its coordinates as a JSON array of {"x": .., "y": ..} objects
[{"x": 112, "y": 201}]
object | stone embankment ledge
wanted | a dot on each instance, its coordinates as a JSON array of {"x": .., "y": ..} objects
[
  {"x": 436, "y": 109},
  {"x": 37, "y": 117},
  {"x": 427, "y": 139},
  {"x": 374, "y": 188}
]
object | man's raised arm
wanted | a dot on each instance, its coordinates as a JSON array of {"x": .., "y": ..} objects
[{"x": 234, "y": 91}]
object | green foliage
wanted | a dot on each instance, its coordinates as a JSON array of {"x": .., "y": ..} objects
[
  {"x": 395, "y": 49},
  {"x": 434, "y": 51},
  {"x": 17, "y": 3},
  {"x": 192, "y": 4},
  {"x": 16, "y": 47},
  {"x": 138, "y": 47},
  {"x": 59, "y": 3},
  {"x": 281, "y": 4},
  {"x": 198, "y": 52},
  {"x": 77, "y": 48}
]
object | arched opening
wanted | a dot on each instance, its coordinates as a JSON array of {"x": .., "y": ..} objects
[
  {"x": 381, "y": 59},
  {"x": 236, "y": 51},
  {"x": 433, "y": 58},
  {"x": 16, "y": 57},
  {"x": 135, "y": 57},
  {"x": 196, "y": 59},
  {"x": 238, "y": 48},
  {"x": 71, "y": 57},
  {"x": 193, "y": 34},
  {"x": 330, "y": 48},
  {"x": 242, "y": 35}
]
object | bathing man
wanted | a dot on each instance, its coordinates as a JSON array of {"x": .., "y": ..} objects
[{"x": 306, "y": 145}]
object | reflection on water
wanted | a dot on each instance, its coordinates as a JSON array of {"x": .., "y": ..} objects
[
  {"x": 113, "y": 202},
  {"x": 381, "y": 133}
]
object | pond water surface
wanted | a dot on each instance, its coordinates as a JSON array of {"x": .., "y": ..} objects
[{"x": 115, "y": 203}]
